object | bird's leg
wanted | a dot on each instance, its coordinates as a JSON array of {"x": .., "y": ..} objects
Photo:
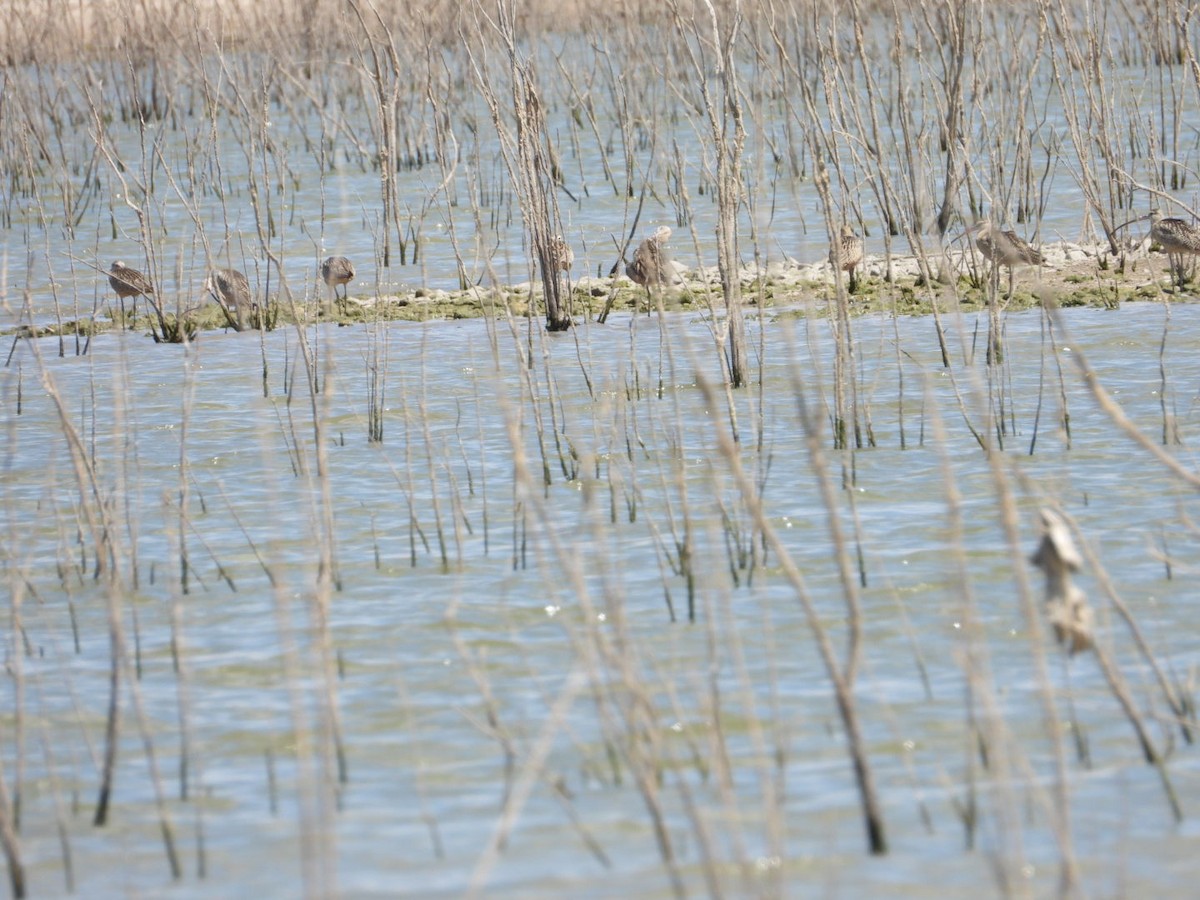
[{"x": 853, "y": 288}]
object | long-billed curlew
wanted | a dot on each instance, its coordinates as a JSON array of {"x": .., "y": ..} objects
[
  {"x": 338, "y": 270},
  {"x": 231, "y": 289},
  {"x": 651, "y": 265},
  {"x": 1177, "y": 238},
  {"x": 128, "y": 282},
  {"x": 1004, "y": 248},
  {"x": 846, "y": 253}
]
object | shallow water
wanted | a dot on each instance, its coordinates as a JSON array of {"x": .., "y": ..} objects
[
  {"x": 318, "y": 192},
  {"x": 419, "y": 647},
  {"x": 498, "y": 570}
]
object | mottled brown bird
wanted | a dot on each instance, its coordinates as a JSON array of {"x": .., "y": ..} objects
[
  {"x": 846, "y": 253},
  {"x": 1004, "y": 248},
  {"x": 231, "y": 289},
  {"x": 1177, "y": 239},
  {"x": 561, "y": 253},
  {"x": 128, "y": 282},
  {"x": 651, "y": 265},
  {"x": 338, "y": 270}
]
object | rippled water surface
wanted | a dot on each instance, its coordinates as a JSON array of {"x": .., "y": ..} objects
[
  {"x": 537, "y": 641},
  {"x": 458, "y": 681},
  {"x": 215, "y": 186}
]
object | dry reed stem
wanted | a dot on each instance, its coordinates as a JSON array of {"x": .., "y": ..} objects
[
  {"x": 1072, "y": 620},
  {"x": 1114, "y": 411},
  {"x": 840, "y": 673},
  {"x": 104, "y": 533},
  {"x": 101, "y": 532},
  {"x": 1069, "y": 873},
  {"x": 8, "y": 839},
  {"x": 710, "y": 45},
  {"x": 526, "y": 780},
  {"x": 627, "y": 724},
  {"x": 1176, "y": 701},
  {"x": 527, "y": 154},
  {"x": 624, "y": 708}
]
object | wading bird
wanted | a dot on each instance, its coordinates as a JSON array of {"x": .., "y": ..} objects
[
  {"x": 1177, "y": 238},
  {"x": 128, "y": 282},
  {"x": 337, "y": 270},
  {"x": 651, "y": 266},
  {"x": 846, "y": 253},
  {"x": 1003, "y": 248},
  {"x": 561, "y": 253},
  {"x": 231, "y": 289}
]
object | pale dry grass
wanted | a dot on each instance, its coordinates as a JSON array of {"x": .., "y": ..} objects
[{"x": 51, "y": 30}]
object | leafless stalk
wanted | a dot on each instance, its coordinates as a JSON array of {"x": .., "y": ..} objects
[
  {"x": 710, "y": 44},
  {"x": 529, "y": 158}
]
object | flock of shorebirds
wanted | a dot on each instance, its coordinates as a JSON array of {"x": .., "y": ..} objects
[
  {"x": 229, "y": 287},
  {"x": 651, "y": 267},
  {"x": 1176, "y": 237}
]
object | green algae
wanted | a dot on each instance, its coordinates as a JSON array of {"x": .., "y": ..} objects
[{"x": 912, "y": 296}]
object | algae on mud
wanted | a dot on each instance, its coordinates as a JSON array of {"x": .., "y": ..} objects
[{"x": 1079, "y": 277}]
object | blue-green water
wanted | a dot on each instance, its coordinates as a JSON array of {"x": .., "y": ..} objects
[
  {"x": 487, "y": 612},
  {"x": 437, "y": 668}
]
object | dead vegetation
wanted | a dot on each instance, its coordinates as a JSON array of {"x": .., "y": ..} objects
[{"x": 470, "y": 144}]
